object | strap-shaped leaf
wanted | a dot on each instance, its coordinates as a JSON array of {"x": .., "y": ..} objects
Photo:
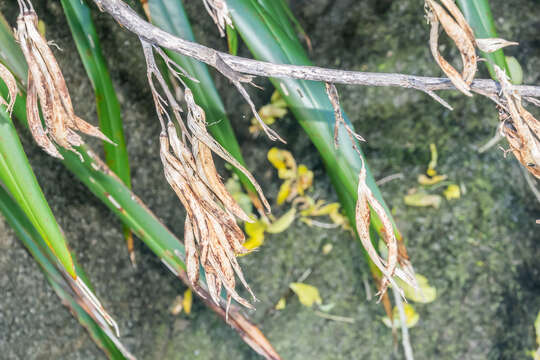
[
  {"x": 19, "y": 179},
  {"x": 35, "y": 244}
]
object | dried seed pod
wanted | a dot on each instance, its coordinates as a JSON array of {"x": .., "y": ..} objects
[
  {"x": 46, "y": 84},
  {"x": 493, "y": 44},
  {"x": 436, "y": 16},
  {"x": 463, "y": 39},
  {"x": 457, "y": 28},
  {"x": 197, "y": 125},
  {"x": 34, "y": 121},
  {"x": 212, "y": 237},
  {"x": 519, "y": 127},
  {"x": 220, "y": 14},
  {"x": 363, "y": 219},
  {"x": 205, "y": 165},
  {"x": 11, "y": 85},
  {"x": 192, "y": 258}
]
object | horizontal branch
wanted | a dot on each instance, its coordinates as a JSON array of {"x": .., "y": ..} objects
[{"x": 130, "y": 20}]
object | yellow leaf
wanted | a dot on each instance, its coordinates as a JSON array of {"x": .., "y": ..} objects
[
  {"x": 188, "y": 301},
  {"x": 282, "y": 223},
  {"x": 327, "y": 248},
  {"x": 281, "y": 304},
  {"x": 272, "y": 111},
  {"x": 286, "y": 174},
  {"x": 425, "y": 180},
  {"x": 433, "y": 163},
  {"x": 177, "y": 306},
  {"x": 339, "y": 219},
  {"x": 305, "y": 179},
  {"x": 307, "y": 294},
  {"x": 425, "y": 293},
  {"x": 254, "y": 242},
  {"x": 327, "y": 209},
  {"x": 254, "y": 228},
  {"x": 284, "y": 192},
  {"x": 276, "y": 96},
  {"x": 411, "y": 317},
  {"x": 452, "y": 192},
  {"x": 422, "y": 200},
  {"x": 281, "y": 159},
  {"x": 280, "y": 103}
]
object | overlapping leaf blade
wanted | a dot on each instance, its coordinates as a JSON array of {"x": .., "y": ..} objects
[
  {"x": 108, "y": 107},
  {"x": 106, "y": 185},
  {"x": 261, "y": 26},
  {"x": 35, "y": 244},
  {"x": 19, "y": 179}
]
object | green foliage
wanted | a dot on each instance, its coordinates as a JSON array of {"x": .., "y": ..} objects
[
  {"x": 479, "y": 17},
  {"x": 270, "y": 37},
  {"x": 41, "y": 253},
  {"x": 19, "y": 179}
]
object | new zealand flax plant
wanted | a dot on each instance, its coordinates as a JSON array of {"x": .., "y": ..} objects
[
  {"x": 102, "y": 181},
  {"x": 212, "y": 239}
]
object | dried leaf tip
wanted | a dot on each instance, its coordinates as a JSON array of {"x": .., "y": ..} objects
[
  {"x": 11, "y": 85},
  {"x": 93, "y": 307},
  {"x": 47, "y": 90}
]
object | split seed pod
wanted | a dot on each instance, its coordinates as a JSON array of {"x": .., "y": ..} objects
[
  {"x": 365, "y": 203},
  {"x": 220, "y": 14},
  {"x": 519, "y": 127},
  {"x": 11, "y": 84},
  {"x": 46, "y": 84},
  {"x": 456, "y": 27}
]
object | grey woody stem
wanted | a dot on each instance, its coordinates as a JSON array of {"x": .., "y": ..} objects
[{"x": 130, "y": 20}]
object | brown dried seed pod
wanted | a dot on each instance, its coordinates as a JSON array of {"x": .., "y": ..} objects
[
  {"x": 34, "y": 121},
  {"x": 205, "y": 165},
  {"x": 445, "y": 66},
  {"x": 192, "y": 259},
  {"x": 228, "y": 251},
  {"x": 197, "y": 125},
  {"x": 451, "y": 6},
  {"x": 51, "y": 89},
  {"x": 363, "y": 219},
  {"x": 493, "y": 44},
  {"x": 11, "y": 85},
  {"x": 519, "y": 127}
]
